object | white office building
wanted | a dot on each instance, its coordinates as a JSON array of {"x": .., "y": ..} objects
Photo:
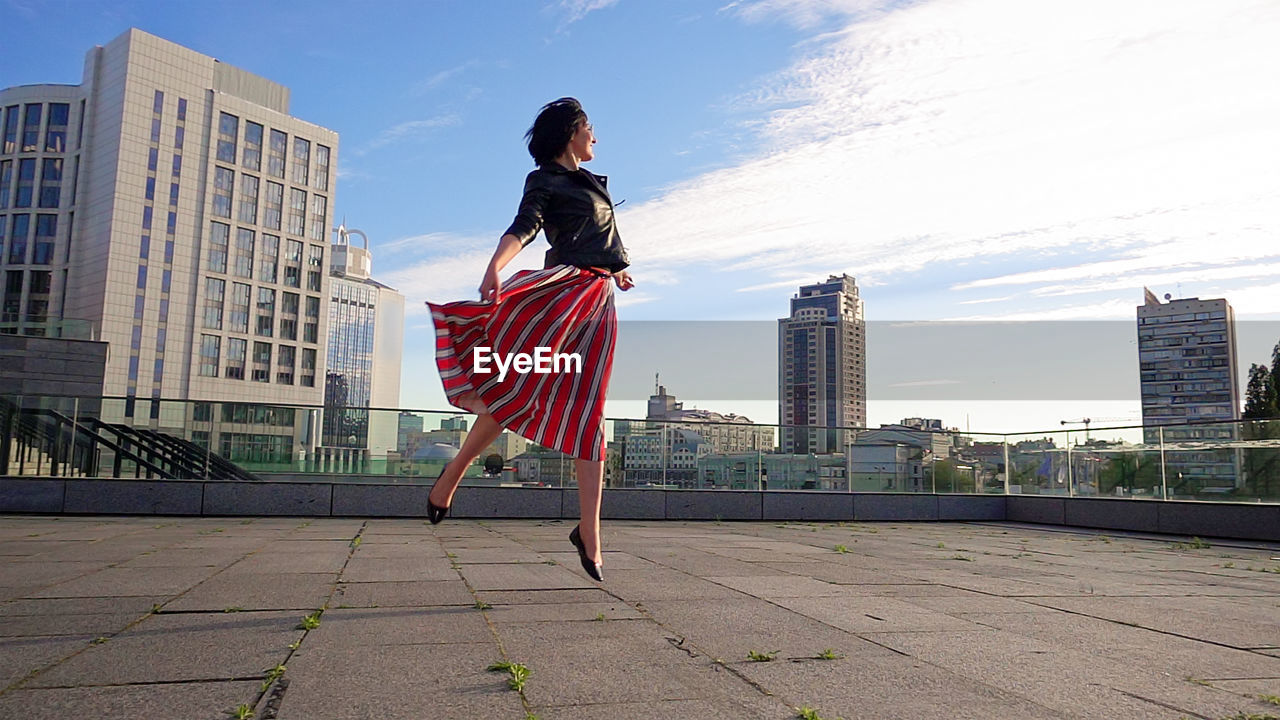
[{"x": 172, "y": 204}]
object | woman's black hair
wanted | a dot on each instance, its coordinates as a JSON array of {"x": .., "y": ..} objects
[{"x": 554, "y": 128}]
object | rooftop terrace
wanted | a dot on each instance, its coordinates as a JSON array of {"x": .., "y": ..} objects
[{"x": 186, "y": 618}]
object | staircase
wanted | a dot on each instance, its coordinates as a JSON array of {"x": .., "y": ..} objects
[{"x": 47, "y": 443}]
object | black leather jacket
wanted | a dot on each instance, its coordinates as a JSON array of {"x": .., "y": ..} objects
[{"x": 575, "y": 211}]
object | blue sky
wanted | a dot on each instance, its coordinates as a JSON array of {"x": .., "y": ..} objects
[{"x": 963, "y": 159}]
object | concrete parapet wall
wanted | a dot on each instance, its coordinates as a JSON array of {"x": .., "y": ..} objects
[{"x": 54, "y": 496}]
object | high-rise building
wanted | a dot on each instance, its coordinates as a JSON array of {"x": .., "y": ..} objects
[
  {"x": 406, "y": 423},
  {"x": 365, "y": 343},
  {"x": 172, "y": 203},
  {"x": 1189, "y": 380},
  {"x": 822, "y": 368}
]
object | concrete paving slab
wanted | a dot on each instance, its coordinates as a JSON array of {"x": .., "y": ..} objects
[
  {"x": 398, "y": 682},
  {"x": 891, "y": 687},
  {"x": 254, "y": 591},
  {"x": 562, "y": 612},
  {"x": 729, "y": 630},
  {"x": 184, "y": 557},
  {"x": 128, "y": 582},
  {"x": 859, "y": 614},
  {"x": 54, "y": 625},
  {"x": 19, "y": 657},
  {"x": 728, "y": 707},
  {"x": 537, "y": 597},
  {"x": 524, "y": 577},
  {"x": 362, "y": 569},
  {"x": 402, "y": 594},
  {"x": 80, "y": 606},
  {"x": 775, "y": 586},
  {"x": 490, "y": 556},
  {"x": 380, "y": 627},
  {"x": 190, "y": 701},
  {"x": 182, "y": 647}
]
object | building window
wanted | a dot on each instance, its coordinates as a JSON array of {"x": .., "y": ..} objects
[
  {"x": 248, "y": 199},
  {"x": 11, "y": 129},
  {"x": 268, "y": 257},
  {"x": 308, "y": 375},
  {"x": 6, "y": 182},
  {"x": 274, "y": 207},
  {"x": 228, "y": 128},
  {"x": 179, "y": 137},
  {"x": 288, "y": 316},
  {"x": 297, "y": 211},
  {"x": 51, "y": 183},
  {"x": 240, "y": 295},
  {"x": 301, "y": 158},
  {"x": 285, "y": 364},
  {"x": 46, "y": 236},
  {"x": 214, "y": 289},
  {"x": 149, "y": 192},
  {"x": 266, "y": 311},
  {"x": 315, "y": 266},
  {"x": 31, "y": 129},
  {"x": 177, "y": 172},
  {"x": 252, "y": 146},
  {"x": 222, "y": 181},
  {"x": 55, "y": 136},
  {"x": 236, "y": 349},
  {"x": 26, "y": 182},
  {"x": 293, "y": 263},
  {"x": 173, "y": 193},
  {"x": 261, "y": 362},
  {"x": 243, "y": 264},
  {"x": 275, "y": 153},
  {"x": 219, "y": 239},
  {"x": 10, "y": 311},
  {"x": 209, "y": 350},
  {"x": 20, "y": 227},
  {"x": 318, "y": 225},
  {"x": 311, "y": 326},
  {"x": 321, "y": 179},
  {"x": 182, "y": 109},
  {"x": 4, "y": 231}
]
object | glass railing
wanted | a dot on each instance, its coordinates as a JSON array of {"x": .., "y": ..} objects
[{"x": 160, "y": 438}]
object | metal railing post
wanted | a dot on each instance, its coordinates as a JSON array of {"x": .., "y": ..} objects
[{"x": 1164, "y": 481}]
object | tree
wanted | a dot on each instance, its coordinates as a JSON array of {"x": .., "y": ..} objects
[{"x": 1260, "y": 394}]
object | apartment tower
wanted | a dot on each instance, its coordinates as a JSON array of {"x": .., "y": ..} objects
[
  {"x": 1189, "y": 381},
  {"x": 822, "y": 367}
]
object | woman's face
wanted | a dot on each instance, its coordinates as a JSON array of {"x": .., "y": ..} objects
[{"x": 581, "y": 142}]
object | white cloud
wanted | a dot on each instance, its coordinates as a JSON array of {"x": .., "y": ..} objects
[
  {"x": 446, "y": 278},
  {"x": 1138, "y": 136},
  {"x": 575, "y": 10},
  {"x": 408, "y": 130}
]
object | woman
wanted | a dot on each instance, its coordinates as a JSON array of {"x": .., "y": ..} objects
[{"x": 567, "y": 307}]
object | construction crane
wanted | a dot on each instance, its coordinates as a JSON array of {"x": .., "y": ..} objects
[{"x": 1086, "y": 421}]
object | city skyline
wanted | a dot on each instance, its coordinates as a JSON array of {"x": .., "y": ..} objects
[{"x": 897, "y": 143}]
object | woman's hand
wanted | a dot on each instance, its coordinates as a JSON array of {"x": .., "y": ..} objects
[
  {"x": 623, "y": 280},
  {"x": 491, "y": 286}
]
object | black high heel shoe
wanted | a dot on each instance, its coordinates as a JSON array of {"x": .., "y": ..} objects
[
  {"x": 593, "y": 568},
  {"x": 435, "y": 513}
]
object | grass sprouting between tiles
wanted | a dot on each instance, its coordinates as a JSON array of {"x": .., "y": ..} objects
[{"x": 756, "y": 656}]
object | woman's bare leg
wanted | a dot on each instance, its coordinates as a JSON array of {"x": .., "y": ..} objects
[
  {"x": 482, "y": 434},
  {"x": 590, "y": 487}
]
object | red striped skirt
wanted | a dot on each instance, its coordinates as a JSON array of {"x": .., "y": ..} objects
[{"x": 563, "y": 309}]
